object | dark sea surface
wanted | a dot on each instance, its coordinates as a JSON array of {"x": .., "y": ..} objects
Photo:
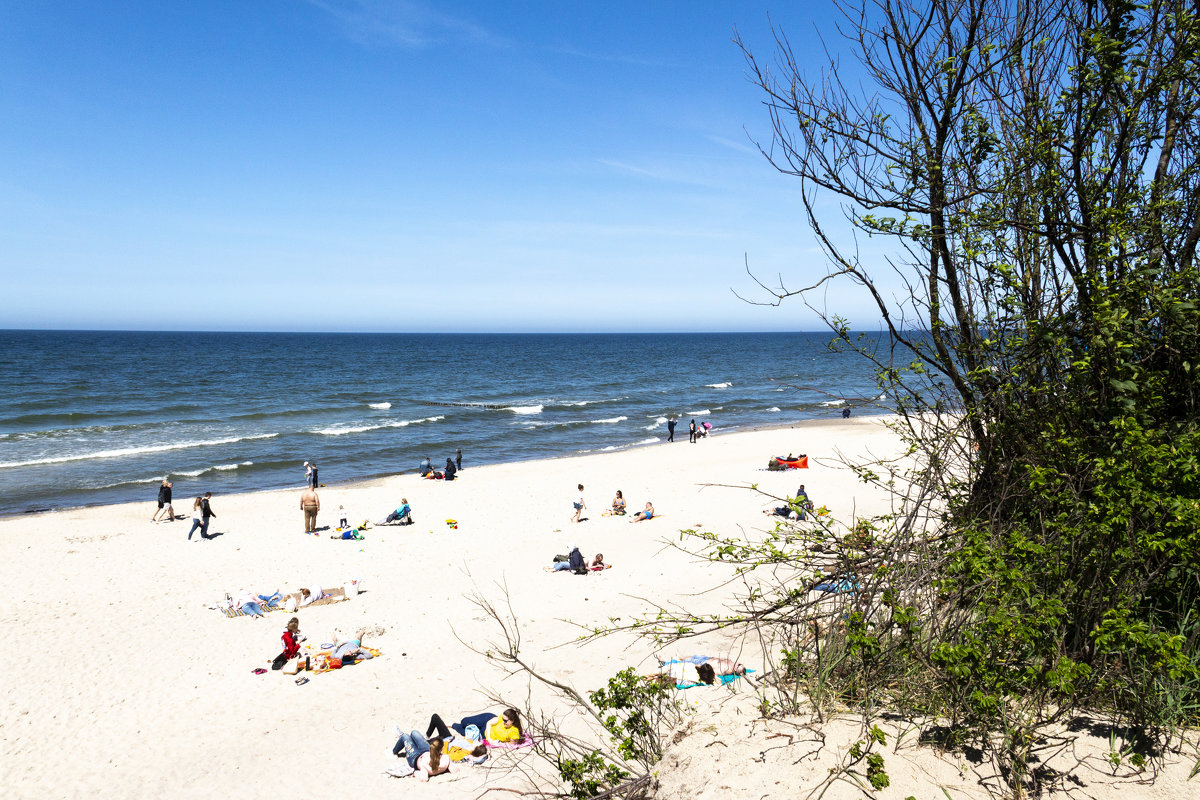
[{"x": 101, "y": 417}]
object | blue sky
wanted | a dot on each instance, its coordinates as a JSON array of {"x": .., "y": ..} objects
[{"x": 396, "y": 166}]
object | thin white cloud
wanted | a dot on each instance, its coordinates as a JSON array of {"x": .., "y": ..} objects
[
  {"x": 403, "y": 24},
  {"x": 741, "y": 147}
]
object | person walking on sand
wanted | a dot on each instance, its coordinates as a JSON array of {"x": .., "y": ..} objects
[
  {"x": 310, "y": 504},
  {"x": 670, "y": 429},
  {"x": 164, "y": 501},
  {"x": 692, "y": 432},
  {"x": 206, "y": 513},
  {"x": 458, "y": 459},
  {"x": 197, "y": 518},
  {"x": 579, "y": 506}
]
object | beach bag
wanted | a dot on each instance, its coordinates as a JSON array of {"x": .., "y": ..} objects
[
  {"x": 279, "y": 661},
  {"x": 558, "y": 559},
  {"x": 472, "y": 732},
  {"x": 290, "y": 605}
]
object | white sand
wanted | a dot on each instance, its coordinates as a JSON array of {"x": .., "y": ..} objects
[{"x": 119, "y": 681}]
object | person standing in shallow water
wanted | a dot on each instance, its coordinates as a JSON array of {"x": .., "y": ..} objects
[
  {"x": 692, "y": 432},
  {"x": 458, "y": 459},
  {"x": 670, "y": 429}
]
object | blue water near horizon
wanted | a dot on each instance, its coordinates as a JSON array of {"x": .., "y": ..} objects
[{"x": 93, "y": 417}]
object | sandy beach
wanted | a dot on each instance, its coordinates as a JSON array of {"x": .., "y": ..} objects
[{"x": 123, "y": 682}]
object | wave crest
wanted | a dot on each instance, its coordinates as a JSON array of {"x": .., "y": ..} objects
[{"x": 133, "y": 451}]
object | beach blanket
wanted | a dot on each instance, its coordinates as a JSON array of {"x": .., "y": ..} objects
[
  {"x": 323, "y": 660},
  {"x": 237, "y": 612}
]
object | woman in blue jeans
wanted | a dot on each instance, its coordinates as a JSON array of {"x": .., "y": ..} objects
[{"x": 424, "y": 757}]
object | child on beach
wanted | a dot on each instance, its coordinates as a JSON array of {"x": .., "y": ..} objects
[
  {"x": 342, "y": 517},
  {"x": 579, "y": 505}
]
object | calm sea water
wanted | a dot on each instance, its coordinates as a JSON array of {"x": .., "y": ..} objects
[{"x": 102, "y": 417}]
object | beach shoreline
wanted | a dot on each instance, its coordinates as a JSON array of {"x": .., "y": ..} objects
[{"x": 370, "y": 480}]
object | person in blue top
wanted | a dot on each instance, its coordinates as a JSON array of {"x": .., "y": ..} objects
[{"x": 403, "y": 514}]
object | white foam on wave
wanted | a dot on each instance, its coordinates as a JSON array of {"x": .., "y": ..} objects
[
  {"x": 697, "y": 413},
  {"x": 195, "y": 473},
  {"x": 718, "y": 385},
  {"x": 609, "y": 421},
  {"x": 651, "y": 440},
  {"x": 380, "y": 406},
  {"x": 574, "y": 403},
  {"x": 774, "y": 409},
  {"x": 134, "y": 451},
  {"x": 655, "y": 424},
  {"x": 342, "y": 430},
  {"x": 610, "y": 447},
  {"x": 524, "y": 409},
  {"x": 828, "y": 403}
]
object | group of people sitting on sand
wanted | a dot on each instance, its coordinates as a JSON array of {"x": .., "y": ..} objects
[
  {"x": 618, "y": 509},
  {"x": 344, "y": 651},
  {"x": 453, "y": 466}
]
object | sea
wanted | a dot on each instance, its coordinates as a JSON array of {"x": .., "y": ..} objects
[{"x": 96, "y": 417}]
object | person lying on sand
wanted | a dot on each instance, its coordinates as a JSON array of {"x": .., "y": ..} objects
[
  {"x": 698, "y": 669},
  {"x": 424, "y": 756},
  {"x": 350, "y": 651},
  {"x": 598, "y": 563},
  {"x": 646, "y": 514}
]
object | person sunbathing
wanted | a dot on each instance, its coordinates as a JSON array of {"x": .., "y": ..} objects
[
  {"x": 618, "y": 504},
  {"x": 699, "y": 669},
  {"x": 646, "y": 514},
  {"x": 350, "y": 651},
  {"x": 598, "y": 563},
  {"x": 424, "y": 756}
]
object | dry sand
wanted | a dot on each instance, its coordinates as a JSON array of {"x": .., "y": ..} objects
[{"x": 121, "y": 682}]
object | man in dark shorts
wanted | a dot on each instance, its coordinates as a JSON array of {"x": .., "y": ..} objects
[{"x": 164, "y": 502}]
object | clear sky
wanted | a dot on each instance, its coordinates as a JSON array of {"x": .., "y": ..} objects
[{"x": 397, "y": 166}]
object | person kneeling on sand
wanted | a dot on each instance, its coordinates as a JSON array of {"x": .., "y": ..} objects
[
  {"x": 646, "y": 514},
  {"x": 575, "y": 562},
  {"x": 291, "y": 649}
]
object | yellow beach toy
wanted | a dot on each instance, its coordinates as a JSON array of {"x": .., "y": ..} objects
[{"x": 452, "y": 523}]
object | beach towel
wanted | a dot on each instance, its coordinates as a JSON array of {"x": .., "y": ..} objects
[{"x": 237, "y": 612}]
